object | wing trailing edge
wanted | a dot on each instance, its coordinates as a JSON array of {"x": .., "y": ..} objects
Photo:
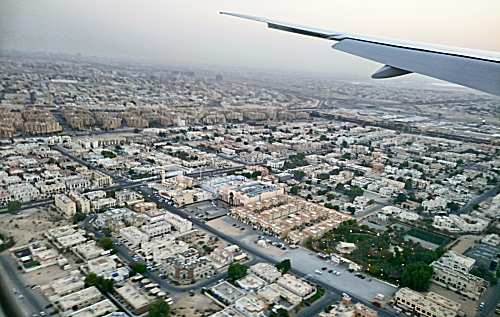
[{"x": 475, "y": 69}]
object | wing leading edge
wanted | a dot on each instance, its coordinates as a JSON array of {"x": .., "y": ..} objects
[{"x": 474, "y": 69}]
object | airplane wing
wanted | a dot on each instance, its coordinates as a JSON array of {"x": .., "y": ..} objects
[{"x": 475, "y": 69}]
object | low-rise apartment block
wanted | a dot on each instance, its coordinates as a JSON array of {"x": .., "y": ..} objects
[
  {"x": 429, "y": 305},
  {"x": 452, "y": 271}
]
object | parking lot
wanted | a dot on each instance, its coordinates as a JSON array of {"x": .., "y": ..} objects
[
  {"x": 306, "y": 261},
  {"x": 207, "y": 210}
]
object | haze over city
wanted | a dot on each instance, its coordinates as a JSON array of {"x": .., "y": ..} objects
[{"x": 191, "y": 32}]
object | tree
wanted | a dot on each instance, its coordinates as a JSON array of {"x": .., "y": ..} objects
[
  {"x": 323, "y": 176},
  {"x": 160, "y": 308},
  {"x": 295, "y": 190},
  {"x": 78, "y": 217},
  {"x": 298, "y": 175},
  {"x": 482, "y": 271},
  {"x": 91, "y": 279},
  {"x": 284, "y": 266},
  {"x": 236, "y": 271},
  {"x": 13, "y": 206},
  {"x": 104, "y": 285},
  {"x": 108, "y": 154},
  {"x": 346, "y": 156},
  {"x": 452, "y": 206},
  {"x": 408, "y": 184},
  {"x": 256, "y": 174},
  {"x": 417, "y": 276},
  {"x": 105, "y": 243},
  {"x": 323, "y": 137},
  {"x": 138, "y": 267},
  {"x": 400, "y": 198}
]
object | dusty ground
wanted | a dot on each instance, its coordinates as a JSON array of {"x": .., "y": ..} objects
[
  {"x": 468, "y": 305},
  {"x": 464, "y": 243},
  {"x": 194, "y": 306},
  {"x": 30, "y": 224},
  {"x": 46, "y": 275},
  {"x": 226, "y": 227}
]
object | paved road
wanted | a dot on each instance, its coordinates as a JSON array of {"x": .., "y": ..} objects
[
  {"x": 308, "y": 262},
  {"x": 127, "y": 256},
  {"x": 30, "y": 302},
  {"x": 123, "y": 182},
  {"x": 32, "y": 204},
  {"x": 319, "y": 305},
  {"x": 491, "y": 298},
  {"x": 321, "y": 281},
  {"x": 490, "y": 193}
]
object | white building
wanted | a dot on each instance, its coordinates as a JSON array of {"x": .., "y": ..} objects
[
  {"x": 133, "y": 236},
  {"x": 23, "y": 192},
  {"x": 156, "y": 229},
  {"x": 179, "y": 223},
  {"x": 452, "y": 271}
]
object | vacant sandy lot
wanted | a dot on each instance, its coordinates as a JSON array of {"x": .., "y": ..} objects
[
  {"x": 194, "y": 306},
  {"x": 46, "y": 275},
  {"x": 224, "y": 225},
  {"x": 30, "y": 224},
  {"x": 464, "y": 243}
]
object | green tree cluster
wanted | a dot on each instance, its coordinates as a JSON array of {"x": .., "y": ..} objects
[
  {"x": 295, "y": 190},
  {"x": 284, "y": 266},
  {"x": 13, "y": 206},
  {"x": 106, "y": 243},
  {"x": 78, "y": 217},
  {"x": 160, "y": 308},
  {"x": 138, "y": 267},
  {"x": 482, "y": 271},
  {"x": 108, "y": 154},
  {"x": 299, "y": 175},
  {"x": 417, "y": 276},
  {"x": 236, "y": 271},
  {"x": 104, "y": 285}
]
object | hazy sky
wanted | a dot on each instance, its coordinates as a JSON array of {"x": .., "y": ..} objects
[{"x": 191, "y": 31}]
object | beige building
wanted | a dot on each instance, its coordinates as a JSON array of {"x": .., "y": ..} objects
[
  {"x": 346, "y": 309},
  {"x": 82, "y": 203},
  {"x": 452, "y": 271},
  {"x": 134, "y": 297},
  {"x": 296, "y": 285},
  {"x": 65, "y": 205},
  {"x": 429, "y": 305},
  {"x": 78, "y": 300},
  {"x": 266, "y": 271},
  {"x": 133, "y": 236}
]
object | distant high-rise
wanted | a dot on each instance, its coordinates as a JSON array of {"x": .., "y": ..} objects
[
  {"x": 32, "y": 97},
  {"x": 218, "y": 77}
]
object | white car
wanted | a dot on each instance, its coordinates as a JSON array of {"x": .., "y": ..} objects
[{"x": 318, "y": 272}]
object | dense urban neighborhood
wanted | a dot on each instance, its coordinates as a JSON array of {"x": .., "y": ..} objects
[{"x": 142, "y": 190}]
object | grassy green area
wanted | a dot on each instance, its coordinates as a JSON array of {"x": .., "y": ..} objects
[
  {"x": 385, "y": 255},
  {"x": 428, "y": 236}
]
